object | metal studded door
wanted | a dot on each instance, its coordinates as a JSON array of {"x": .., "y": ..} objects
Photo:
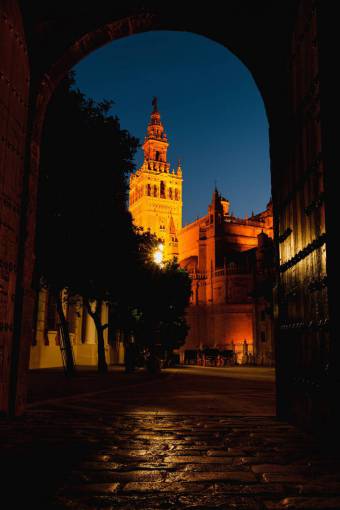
[
  {"x": 14, "y": 85},
  {"x": 303, "y": 348}
]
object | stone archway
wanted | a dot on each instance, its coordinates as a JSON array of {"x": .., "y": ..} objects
[
  {"x": 281, "y": 49},
  {"x": 14, "y": 99}
]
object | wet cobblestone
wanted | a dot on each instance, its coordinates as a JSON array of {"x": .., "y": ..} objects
[
  {"x": 82, "y": 453},
  {"x": 137, "y": 461}
]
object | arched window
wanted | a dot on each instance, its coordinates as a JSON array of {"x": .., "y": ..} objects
[
  {"x": 155, "y": 191},
  {"x": 170, "y": 193},
  {"x": 157, "y": 156},
  {"x": 176, "y": 194},
  {"x": 162, "y": 192},
  {"x": 148, "y": 189}
]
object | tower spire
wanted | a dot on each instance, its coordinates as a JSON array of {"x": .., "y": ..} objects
[
  {"x": 155, "y": 104},
  {"x": 155, "y": 192},
  {"x": 156, "y": 142},
  {"x": 179, "y": 168}
]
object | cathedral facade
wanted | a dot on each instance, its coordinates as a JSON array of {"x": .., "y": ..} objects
[{"x": 229, "y": 259}]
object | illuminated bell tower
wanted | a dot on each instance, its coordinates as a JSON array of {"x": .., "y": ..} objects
[{"x": 155, "y": 191}]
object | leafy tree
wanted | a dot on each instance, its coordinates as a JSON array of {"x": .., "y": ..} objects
[
  {"x": 176, "y": 295},
  {"x": 126, "y": 301},
  {"x": 162, "y": 327},
  {"x": 83, "y": 227}
]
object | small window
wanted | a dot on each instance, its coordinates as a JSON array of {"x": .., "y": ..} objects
[{"x": 263, "y": 336}]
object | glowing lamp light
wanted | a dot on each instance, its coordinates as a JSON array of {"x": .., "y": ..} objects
[{"x": 158, "y": 255}]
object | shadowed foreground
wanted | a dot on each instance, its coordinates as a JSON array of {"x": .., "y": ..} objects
[{"x": 190, "y": 439}]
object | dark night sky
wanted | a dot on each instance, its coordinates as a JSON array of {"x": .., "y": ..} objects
[{"x": 210, "y": 106}]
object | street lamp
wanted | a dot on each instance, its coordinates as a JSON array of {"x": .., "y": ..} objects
[{"x": 158, "y": 255}]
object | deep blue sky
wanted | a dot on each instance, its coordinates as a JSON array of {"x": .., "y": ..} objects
[{"x": 210, "y": 106}]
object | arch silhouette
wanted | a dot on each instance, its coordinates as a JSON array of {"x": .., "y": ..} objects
[{"x": 282, "y": 48}]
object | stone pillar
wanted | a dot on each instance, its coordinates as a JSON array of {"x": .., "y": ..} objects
[
  {"x": 181, "y": 357},
  {"x": 64, "y": 301},
  {"x": 120, "y": 347},
  {"x": 90, "y": 331},
  {"x": 244, "y": 352},
  {"x": 72, "y": 320},
  {"x": 104, "y": 315},
  {"x": 121, "y": 353},
  {"x": 40, "y": 339},
  {"x": 41, "y": 325},
  {"x": 78, "y": 322}
]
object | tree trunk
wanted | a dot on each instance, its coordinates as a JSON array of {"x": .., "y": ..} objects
[
  {"x": 153, "y": 364},
  {"x": 65, "y": 337},
  {"x": 102, "y": 365},
  {"x": 168, "y": 357},
  {"x": 130, "y": 355}
]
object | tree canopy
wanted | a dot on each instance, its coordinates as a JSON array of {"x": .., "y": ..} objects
[
  {"x": 85, "y": 159},
  {"x": 83, "y": 227}
]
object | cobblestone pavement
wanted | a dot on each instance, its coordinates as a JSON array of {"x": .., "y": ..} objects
[{"x": 79, "y": 454}]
